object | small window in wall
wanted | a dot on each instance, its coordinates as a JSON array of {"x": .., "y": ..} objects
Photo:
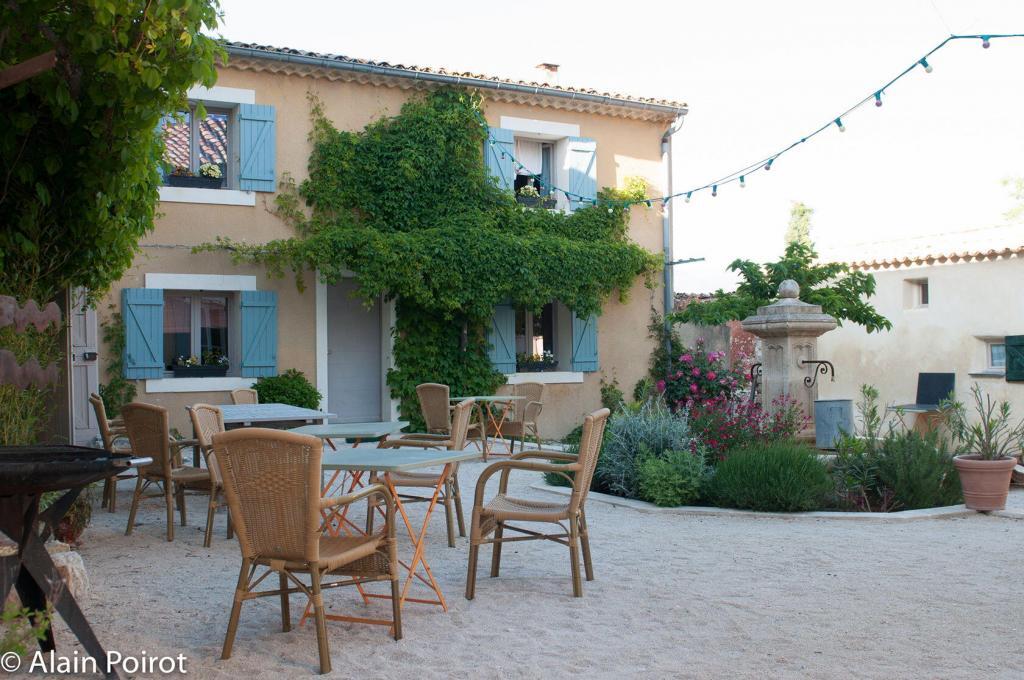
[
  {"x": 916, "y": 293},
  {"x": 197, "y": 329},
  {"x": 997, "y": 356},
  {"x": 197, "y": 149},
  {"x": 535, "y": 339}
]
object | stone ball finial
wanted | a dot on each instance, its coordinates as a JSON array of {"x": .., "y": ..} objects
[{"x": 789, "y": 289}]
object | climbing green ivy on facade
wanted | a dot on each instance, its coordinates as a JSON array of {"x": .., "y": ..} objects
[{"x": 409, "y": 208}]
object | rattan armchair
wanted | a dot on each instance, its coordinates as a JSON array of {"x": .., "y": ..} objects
[
  {"x": 451, "y": 497},
  {"x": 245, "y": 395},
  {"x": 437, "y": 410},
  {"x": 520, "y": 420},
  {"x": 493, "y": 517},
  {"x": 149, "y": 433},
  {"x": 207, "y": 421},
  {"x": 110, "y": 432},
  {"x": 272, "y": 483}
]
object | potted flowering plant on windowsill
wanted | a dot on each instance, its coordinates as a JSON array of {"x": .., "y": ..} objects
[
  {"x": 212, "y": 365},
  {"x": 535, "y": 363},
  {"x": 531, "y": 198},
  {"x": 210, "y": 176},
  {"x": 988, "y": 448}
]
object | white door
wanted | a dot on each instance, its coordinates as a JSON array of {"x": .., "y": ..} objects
[
  {"x": 354, "y": 371},
  {"x": 85, "y": 376}
]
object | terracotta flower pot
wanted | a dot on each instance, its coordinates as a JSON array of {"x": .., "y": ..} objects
[{"x": 986, "y": 483}]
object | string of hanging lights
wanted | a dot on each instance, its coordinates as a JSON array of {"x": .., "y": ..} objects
[{"x": 740, "y": 176}]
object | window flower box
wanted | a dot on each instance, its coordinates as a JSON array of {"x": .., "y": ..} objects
[
  {"x": 200, "y": 371},
  {"x": 195, "y": 182},
  {"x": 536, "y": 202},
  {"x": 536, "y": 363}
]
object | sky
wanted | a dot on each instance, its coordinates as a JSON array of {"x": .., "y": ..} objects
[{"x": 756, "y": 76}]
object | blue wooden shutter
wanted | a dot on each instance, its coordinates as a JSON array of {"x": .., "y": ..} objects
[
  {"x": 581, "y": 159},
  {"x": 584, "y": 343},
  {"x": 498, "y": 151},
  {"x": 257, "y": 147},
  {"x": 501, "y": 337},
  {"x": 259, "y": 333},
  {"x": 143, "y": 312}
]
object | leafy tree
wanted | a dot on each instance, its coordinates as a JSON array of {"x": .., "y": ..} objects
[
  {"x": 839, "y": 290},
  {"x": 78, "y": 153},
  {"x": 799, "y": 229}
]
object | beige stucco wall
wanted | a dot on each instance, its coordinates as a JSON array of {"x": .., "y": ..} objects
[
  {"x": 624, "y": 148},
  {"x": 968, "y": 302}
]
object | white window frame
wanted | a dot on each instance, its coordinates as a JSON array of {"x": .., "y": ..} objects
[
  {"x": 195, "y": 322},
  {"x": 214, "y": 98},
  {"x": 915, "y": 296},
  {"x": 988, "y": 355},
  {"x": 557, "y": 134}
]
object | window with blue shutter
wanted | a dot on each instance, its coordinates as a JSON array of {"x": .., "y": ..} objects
[
  {"x": 143, "y": 312},
  {"x": 501, "y": 337},
  {"x": 581, "y": 160},
  {"x": 257, "y": 147},
  {"x": 259, "y": 333},
  {"x": 498, "y": 151},
  {"x": 584, "y": 343}
]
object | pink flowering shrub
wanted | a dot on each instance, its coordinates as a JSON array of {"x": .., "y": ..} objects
[
  {"x": 700, "y": 378},
  {"x": 726, "y": 424}
]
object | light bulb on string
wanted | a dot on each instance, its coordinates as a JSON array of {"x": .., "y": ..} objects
[
  {"x": 648, "y": 203},
  {"x": 688, "y": 195},
  {"x": 984, "y": 41},
  {"x": 839, "y": 124},
  {"x": 743, "y": 182},
  {"x": 927, "y": 67},
  {"x": 768, "y": 165},
  {"x": 878, "y": 98},
  {"x": 714, "y": 190}
]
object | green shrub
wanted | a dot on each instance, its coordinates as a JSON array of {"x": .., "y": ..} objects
[
  {"x": 919, "y": 471},
  {"x": 636, "y": 432},
  {"x": 889, "y": 467},
  {"x": 672, "y": 480},
  {"x": 782, "y": 476},
  {"x": 291, "y": 387}
]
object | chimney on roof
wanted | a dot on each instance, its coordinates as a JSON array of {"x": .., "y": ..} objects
[{"x": 549, "y": 73}]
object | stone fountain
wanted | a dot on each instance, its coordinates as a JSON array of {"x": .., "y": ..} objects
[{"x": 789, "y": 330}]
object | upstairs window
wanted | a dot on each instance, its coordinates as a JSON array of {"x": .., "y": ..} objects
[
  {"x": 997, "y": 356},
  {"x": 197, "y": 149}
]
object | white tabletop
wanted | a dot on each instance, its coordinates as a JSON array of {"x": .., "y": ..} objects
[
  {"x": 393, "y": 460},
  {"x": 352, "y": 430},
  {"x": 265, "y": 413}
]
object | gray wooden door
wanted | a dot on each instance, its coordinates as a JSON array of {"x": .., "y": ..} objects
[
  {"x": 354, "y": 369},
  {"x": 84, "y": 368}
]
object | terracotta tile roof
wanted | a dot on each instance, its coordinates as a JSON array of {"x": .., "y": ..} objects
[
  {"x": 986, "y": 243},
  {"x": 401, "y": 70}
]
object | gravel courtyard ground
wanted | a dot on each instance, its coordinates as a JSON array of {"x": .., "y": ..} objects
[{"x": 675, "y": 596}]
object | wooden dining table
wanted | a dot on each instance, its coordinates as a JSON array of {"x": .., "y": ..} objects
[{"x": 385, "y": 462}]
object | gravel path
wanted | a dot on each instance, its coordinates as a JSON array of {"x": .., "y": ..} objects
[{"x": 675, "y": 596}]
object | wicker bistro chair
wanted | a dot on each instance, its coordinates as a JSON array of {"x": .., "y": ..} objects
[
  {"x": 493, "y": 517},
  {"x": 451, "y": 497},
  {"x": 435, "y": 405},
  {"x": 208, "y": 420},
  {"x": 149, "y": 434},
  {"x": 110, "y": 432},
  {"x": 522, "y": 414},
  {"x": 245, "y": 395},
  {"x": 272, "y": 482}
]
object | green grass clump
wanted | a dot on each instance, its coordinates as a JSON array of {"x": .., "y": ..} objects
[{"x": 779, "y": 477}]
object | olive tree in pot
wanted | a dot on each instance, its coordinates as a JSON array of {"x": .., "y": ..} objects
[{"x": 988, "y": 447}]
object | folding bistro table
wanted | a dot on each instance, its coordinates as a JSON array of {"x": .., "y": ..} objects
[
  {"x": 489, "y": 401},
  {"x": 250, "y": 414},
  {"x": 384, "y": 462},
  {"x": 356, "y": 432}
]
